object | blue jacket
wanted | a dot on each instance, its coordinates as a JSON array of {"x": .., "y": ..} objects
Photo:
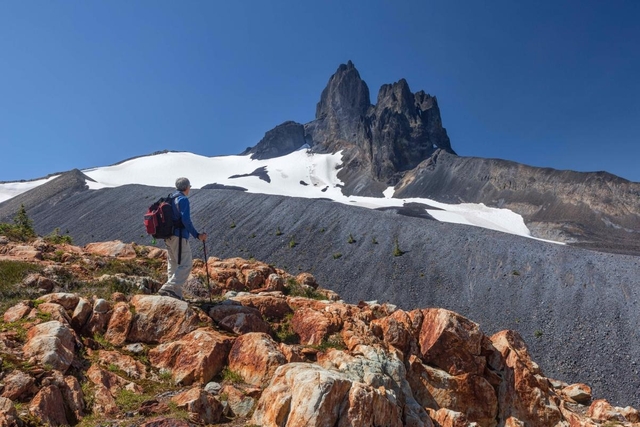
[{"x": 182, "y": 210}]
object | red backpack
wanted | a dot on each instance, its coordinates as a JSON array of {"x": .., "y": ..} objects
[{"x": 159, "y": 220}]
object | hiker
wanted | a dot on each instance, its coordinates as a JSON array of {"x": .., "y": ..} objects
[{"x": 179, "y": 260}]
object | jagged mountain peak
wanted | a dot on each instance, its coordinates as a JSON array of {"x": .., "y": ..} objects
[{"x": 346, "y": 95}]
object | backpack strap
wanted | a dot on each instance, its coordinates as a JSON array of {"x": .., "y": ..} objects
[{"x": 175, "y": 201}]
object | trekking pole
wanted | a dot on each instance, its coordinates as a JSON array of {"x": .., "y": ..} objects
[{"x": 206, "y": 267}]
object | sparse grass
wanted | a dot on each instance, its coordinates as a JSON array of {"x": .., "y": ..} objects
[
  {"x": 231, "y": 376},
  {"x": 285, "y": 333},
  {"x": 128, "y": 400},
  {"x": 333, "y": 341},
  {"x": 178, "y": 413},
  {"x": 294, "y": 289},
  {"x": 99, "y": 338},
  {"x": 11, "y": 275}
]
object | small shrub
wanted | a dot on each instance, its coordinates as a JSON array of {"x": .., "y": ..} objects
[
  {"x": 322, "y": 230},
  {"x": 374, "y": 240},
  {"x": 278, "y": 232},
  {"x": 538, "y": 333},
  {"x": 396, "y": 250},
  {"x": 337, "y": 255},
  {"x": 292, "y": 242},
  {"x": 351, "y": 239},
  {"x": 233, "y": 224},
  {"x": 56, "y": 238},
  {"x": 515, "y": 272},
  {"x": 21, "y": 229}
]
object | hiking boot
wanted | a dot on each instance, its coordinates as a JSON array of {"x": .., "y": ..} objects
[{"x": 168, "y": 293}]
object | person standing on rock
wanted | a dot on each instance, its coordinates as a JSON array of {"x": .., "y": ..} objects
[{"x": 179, "y": 259}]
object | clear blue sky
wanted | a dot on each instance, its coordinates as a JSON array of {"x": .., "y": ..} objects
[{"x": 91, "y": 83}]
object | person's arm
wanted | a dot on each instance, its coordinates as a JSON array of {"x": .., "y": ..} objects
[{"x": 185, "y": 212}]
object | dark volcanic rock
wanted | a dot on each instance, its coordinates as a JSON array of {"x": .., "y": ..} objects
[
  {"x": 279, "y": 141},
  {"x": 379, "y": 141},
  {"x": 568, "y": 303}
]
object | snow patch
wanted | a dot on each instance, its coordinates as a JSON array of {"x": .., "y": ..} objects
[{"x": 286, "y": 173}]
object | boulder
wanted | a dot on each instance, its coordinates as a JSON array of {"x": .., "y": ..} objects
[
  {"x": 195, "y": 358},
  {"x": 48, "y": 405},
  {"x": 39, "y": 281},
  {"x": 240, "y": 403},
  {"x": 201, "y": 406},
  {"x": 111, "y": 382},
  {"x": 119, "y": 324},
  {"x": 17, "y": 312},
  {"x": 378, "y": 367},
  {"x": 8, "y": 413},
  {"x": 302, "y": 394},
  {"x": 313, "y": 326},
  {"x": 17, "y": 385},
  {"x": 99, "y": 319},
  {"x": 523, "y": 393},
  {"x": 579, "y": 393},
  {"x": 397, "y": 330},
  {"x": 307, "y": 279},
  {"x": 270, "y": 307},
  {"x": 81, "y": 313},
  {"x": 447, "y": 418},
  {"x": 56, "y": 311},
  {"x": 601, "y": 410},
  {"x": 160, "y": 319},
  {"x": 126, "y": 364},
  {"x": 73, "y": 397},
  {"x": 255, "y": 356},
  {"x": 66, "y": 300},
  {"x": 243, "y": 323},
  {"x": 467, "y": 393},
  {"x": 51, "y": 343},
  {"x": 115, "y": 249},
  {"x": 451, "y": 342},
  {"x": 228, "y": 307},
  {"x": 274, "y": 282}
]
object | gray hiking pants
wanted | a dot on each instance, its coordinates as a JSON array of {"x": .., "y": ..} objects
[{"x": 177, "y": 274}]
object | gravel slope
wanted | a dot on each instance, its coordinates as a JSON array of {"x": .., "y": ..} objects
[{"x": 577, "y": 309}]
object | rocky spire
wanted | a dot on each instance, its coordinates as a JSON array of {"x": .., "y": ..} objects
[{"x": 346, "y": 96}]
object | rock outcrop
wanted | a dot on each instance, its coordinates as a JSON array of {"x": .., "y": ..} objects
[
  {"x": 322, "y": 362},
  {"x": 379, "y": 141}
]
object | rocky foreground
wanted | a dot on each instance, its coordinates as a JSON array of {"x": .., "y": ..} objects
[{"x": 85, "y": 342}]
